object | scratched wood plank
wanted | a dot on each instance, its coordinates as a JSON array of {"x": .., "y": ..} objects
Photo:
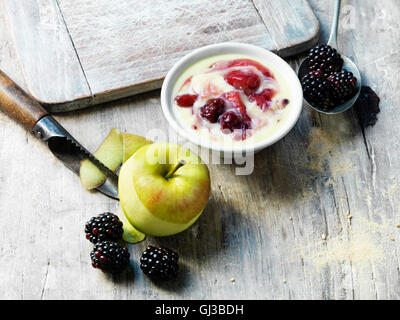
[
  {"x": 8, "y": 55},
  {"x": 289, "y": 30},
  {"x": 51, "y": 68},
  {"x": 328, "y": 179},
  {"x": 127, "y": 47}
]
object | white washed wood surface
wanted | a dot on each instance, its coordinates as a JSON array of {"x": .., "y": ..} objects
[
  {"x": 51, "y": 68},
  {"x": 263, "y": 230},
  {"x": 78, "y": 55}
]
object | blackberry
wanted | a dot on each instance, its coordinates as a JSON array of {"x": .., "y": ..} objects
[
  {"x": 212, "y": 109},
  {"x": 110, "y": 256},
  {"x": 231, "y": 121},
  {"x": 324, "y": 58},
  {"x": 317, "y": 90},
  {"x": 367, "y": 106},
  {"x": 343, "y": 86},
  {"x": 159, "y": 263},
  {"x": 105, "y": 226}
]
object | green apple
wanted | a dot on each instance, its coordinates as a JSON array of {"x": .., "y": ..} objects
[
  {"x": 159, "y": 196},
  {"x": 116, "y": 148}
]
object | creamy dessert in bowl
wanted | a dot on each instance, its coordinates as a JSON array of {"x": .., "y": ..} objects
[{"x": 232, "y": 97}]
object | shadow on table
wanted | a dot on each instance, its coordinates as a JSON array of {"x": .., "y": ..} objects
[
  {"x": 307, "y": 160},
  {"x": 210, "y": 235},
  {"x": 127, "y": 276},
  {"x": 179, "y": 283},
  {"x": 215, "y": 235}
]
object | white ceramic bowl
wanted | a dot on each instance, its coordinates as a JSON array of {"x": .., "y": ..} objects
[{"x": 286, "y": 71}]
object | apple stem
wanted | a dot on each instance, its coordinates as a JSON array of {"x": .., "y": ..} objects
[{"x": 176, "y": 167}]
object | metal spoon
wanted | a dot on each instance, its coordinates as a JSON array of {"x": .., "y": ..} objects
[{"x": 347, "y": 64}]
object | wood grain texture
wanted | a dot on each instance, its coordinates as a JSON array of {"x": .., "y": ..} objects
[
  {"x": 290, "y": 31},
  {"x": 127, "y": 47},
  {"x": 51, "y": 68},
  {"x": 328, "y": 179}
]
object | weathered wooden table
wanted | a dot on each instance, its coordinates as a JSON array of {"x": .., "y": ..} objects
[{"x": 318, "y": 219}]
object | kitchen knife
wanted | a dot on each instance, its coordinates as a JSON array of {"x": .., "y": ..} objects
[{"x": 27, "y": 111}]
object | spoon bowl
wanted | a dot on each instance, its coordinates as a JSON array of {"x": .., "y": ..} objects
[{"x": 347, "y": 64}]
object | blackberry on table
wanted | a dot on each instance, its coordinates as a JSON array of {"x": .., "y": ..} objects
[
  {"x": 159, "y": 263},
  {"x": 317, "y": 90},
  {"x": 325, "y": 58},
  {"x": 343, "y": 85},
  {"x": 110, "y": 256},
  {"x": 367, "y": 106},
  {"x": 105, "y": 226}
]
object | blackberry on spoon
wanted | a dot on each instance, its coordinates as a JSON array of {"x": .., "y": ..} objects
[
  {"x": 324, "y": 58},
  {"x": 317, "y": 90},
  {"x": 343, "y": 85},
  {"x": 337, "y": 107}
]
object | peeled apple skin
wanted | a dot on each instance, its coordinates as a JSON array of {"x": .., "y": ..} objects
[
  {"x": 131, "y": 143},
  {"x": 110, "y": 153},
  {"x": 158, "y": 206},
  {"x": 116, "y": 148},
  {"x": 130, "y": 234}
]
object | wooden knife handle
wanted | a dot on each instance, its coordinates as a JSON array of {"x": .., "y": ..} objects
[{"x": 18, "y": 104}]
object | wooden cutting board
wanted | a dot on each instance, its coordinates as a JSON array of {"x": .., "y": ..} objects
[{"x": 80, "y": 53}]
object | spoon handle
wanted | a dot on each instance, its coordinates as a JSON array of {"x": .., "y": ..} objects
[{"x": 335, "y": 23}]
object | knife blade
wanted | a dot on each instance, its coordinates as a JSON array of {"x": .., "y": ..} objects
[{"x": 24, "y": 109}]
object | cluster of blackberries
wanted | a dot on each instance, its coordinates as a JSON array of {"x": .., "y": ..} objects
[
  {"x": 326, "y": 85},
  {"x": 105, "y": 232}
]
